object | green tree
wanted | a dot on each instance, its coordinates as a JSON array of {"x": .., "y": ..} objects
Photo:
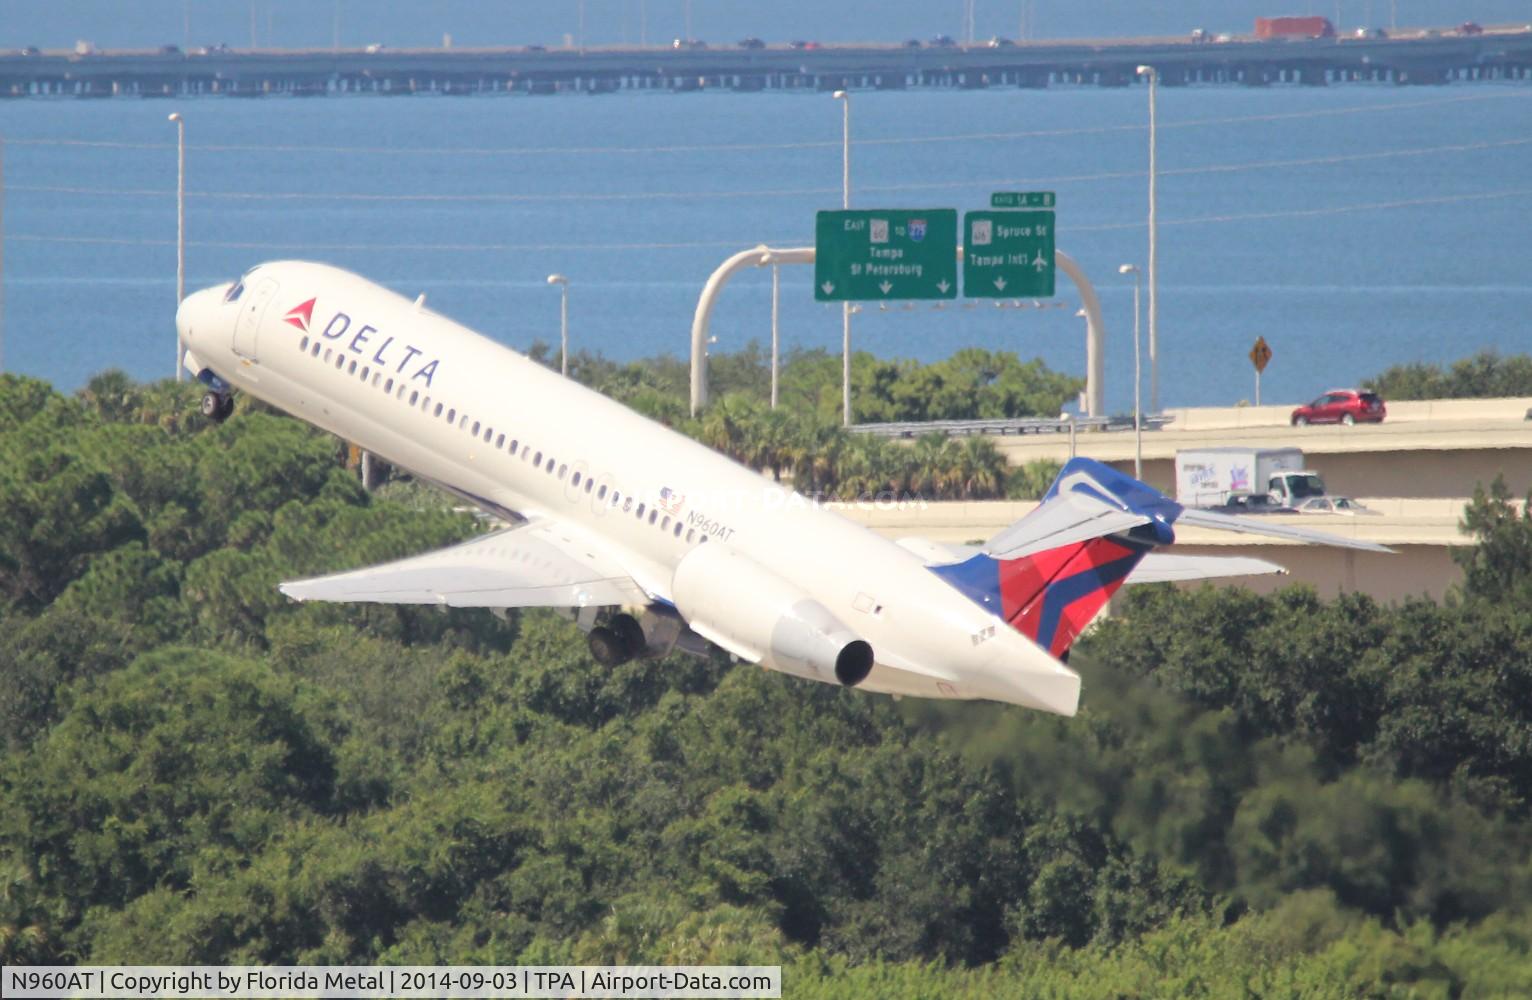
[
  {"x": 1498, "y": 567},
  {"x": 182, "y": 757},
  {"x": 58, "y": 510},
  {"x": 1484, "y": 375}
]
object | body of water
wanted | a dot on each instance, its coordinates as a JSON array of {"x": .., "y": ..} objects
[{"x": 1353, "y": 227}]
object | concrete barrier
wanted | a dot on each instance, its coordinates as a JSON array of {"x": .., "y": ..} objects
[
  {"x": 1198, "y": 418},
  {"x": 1394, "y": 521}
]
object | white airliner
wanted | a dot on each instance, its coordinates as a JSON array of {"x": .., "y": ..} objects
[{"x": 655, "y": 541}]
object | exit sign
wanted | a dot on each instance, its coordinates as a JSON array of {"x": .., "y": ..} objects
[{"x": 1022, "y": 199}]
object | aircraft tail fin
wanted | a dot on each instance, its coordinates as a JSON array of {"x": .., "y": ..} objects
[
  {"x": 1049, "y": 573},
  {"x": 1050, "y": 596}
]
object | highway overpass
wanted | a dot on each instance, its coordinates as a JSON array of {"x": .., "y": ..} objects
[
  {"x": 1417, "y": 468},
  {"x": 1427, "y": 449}
]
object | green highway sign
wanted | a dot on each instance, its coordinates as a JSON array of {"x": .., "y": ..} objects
[
  {"x": 1007, "y": 255},
  {"x": 1022, "y": 199},
  {"x": 885, "y": 253}
]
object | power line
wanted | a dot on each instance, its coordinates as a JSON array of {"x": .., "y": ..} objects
[
  {"x": 1375, "y": 206},
  {"x": 736, "y": 244},
  {"x": 766, "y": 147},
  {"x": 226, "y": 245},
  {"x": 311, "y": 196},
  {"x": 1215, "y": 168}
]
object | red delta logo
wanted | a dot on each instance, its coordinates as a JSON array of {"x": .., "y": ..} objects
[{"x": 301, "y": 316}]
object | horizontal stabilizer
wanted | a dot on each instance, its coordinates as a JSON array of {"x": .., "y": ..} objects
[
  {"x": 1062, "y": 520},
  {"x": 1259, "y": 526},
  {"x": 1167, "y": 567},
  {"x": 533, "y": 565}
]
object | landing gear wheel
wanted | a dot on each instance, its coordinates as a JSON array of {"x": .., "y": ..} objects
[
  {"x": 215, "y": 407},
  {"x": 1348, "y": 420},
  {"x": 1300, "y": 421},
  {"x": 606, "y": 647},
  {"x": 627, "y": 629}
]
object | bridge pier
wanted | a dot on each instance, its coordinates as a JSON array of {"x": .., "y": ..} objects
[{"x": 1498, "y": 57}]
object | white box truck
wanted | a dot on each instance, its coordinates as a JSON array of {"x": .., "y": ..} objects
[{"x": 1256, "y": 477}]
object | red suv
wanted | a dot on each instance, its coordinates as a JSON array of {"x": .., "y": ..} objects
[{"x": 1342, "y": 406}]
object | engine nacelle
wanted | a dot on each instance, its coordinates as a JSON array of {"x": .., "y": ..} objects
[{"x": 736, "y": 602}]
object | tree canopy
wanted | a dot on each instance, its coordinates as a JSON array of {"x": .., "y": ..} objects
[
  {"x": 1262, "y": 795},
  {"x": 1485, "y": 375}
]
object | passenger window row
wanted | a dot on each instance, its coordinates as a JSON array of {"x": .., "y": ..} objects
[{"x": 601, "y": 494}]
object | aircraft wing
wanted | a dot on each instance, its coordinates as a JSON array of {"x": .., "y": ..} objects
[
  {"x": 534, "y": 565},
  {"x": 1167, "y": 567},
  {"x": 1260, "y": 526}
]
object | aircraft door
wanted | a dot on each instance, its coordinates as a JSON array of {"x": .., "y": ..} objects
[{"x": 248, "y": 327}]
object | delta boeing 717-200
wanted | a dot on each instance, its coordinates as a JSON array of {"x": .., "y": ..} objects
[{"x": 656, "y": 542}]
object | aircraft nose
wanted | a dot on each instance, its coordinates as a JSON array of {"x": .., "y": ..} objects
[{"x": 196, "y": 311}]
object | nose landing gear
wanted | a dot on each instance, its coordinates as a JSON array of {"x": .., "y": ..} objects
[
  {"x": 217, "y": 407},
  {"x": 218, "y": 401}
]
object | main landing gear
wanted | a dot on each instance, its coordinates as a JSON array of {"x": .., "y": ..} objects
[
  {"x": 651, "y": 632},
  {"x": 618, "y": 641}
]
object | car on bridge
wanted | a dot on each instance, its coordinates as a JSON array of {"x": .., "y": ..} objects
[
  {"x": 1336, "y": 505},
  {"x": 1341, "y": 406}
]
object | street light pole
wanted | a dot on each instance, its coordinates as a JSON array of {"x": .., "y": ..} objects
[
  {"x": 846, "y": 308},
  {"x": 1154, "y": 233},
  {"x": 776, "y": 298},
  {"x": 1138, "y": 412},
  {"x": 180, "y": 223},
  {"x": 563, "y": 283}
]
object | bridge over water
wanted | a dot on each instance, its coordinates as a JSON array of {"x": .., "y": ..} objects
[{"x": 1428, "y": 58}]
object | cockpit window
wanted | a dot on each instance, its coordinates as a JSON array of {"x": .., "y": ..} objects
[{"x": 235, "y": 292}]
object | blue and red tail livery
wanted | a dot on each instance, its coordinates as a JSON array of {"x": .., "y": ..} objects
[{"x": 1051, "y": 595}]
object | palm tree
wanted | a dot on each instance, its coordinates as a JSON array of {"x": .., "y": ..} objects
[
  {"x": 979, "y": 471},
  {"x": 769, "y": 438},
  {"x": 723, "y": 425},
  {"x": 814, "y": 453},
  {"x": 929, "y": 460},
  {"x": 112, "y": 394},
  {"x": 862, "y": 469}
]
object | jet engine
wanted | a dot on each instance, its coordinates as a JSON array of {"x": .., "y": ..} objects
[{"x": 735, "y": 602}]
